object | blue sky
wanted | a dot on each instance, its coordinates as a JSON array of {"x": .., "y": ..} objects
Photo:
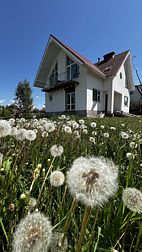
[{"x": 91, "y": 27}]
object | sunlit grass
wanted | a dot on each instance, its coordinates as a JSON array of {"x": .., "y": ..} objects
[{"x": 25, "y": 172}]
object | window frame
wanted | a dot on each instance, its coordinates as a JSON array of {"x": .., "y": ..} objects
[
  {"x": 70, "y": 96},
  {"x": 71, "y": 73},
  {"x": 53, "y": 77},
  {"x": 96, "y": 95},
  {"x": 50, "y": 97},
  {"x": 121, "y": 76},
  {"x": 126, "y": 101}
]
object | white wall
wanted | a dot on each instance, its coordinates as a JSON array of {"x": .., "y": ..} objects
[
  {"x": 80, "y": 90},
  {"x": 58, "y": 102},
  {"x": 108, "y": 90},
  {"x": 94, "y": 82},
  {"x": 119, "y": 86}
]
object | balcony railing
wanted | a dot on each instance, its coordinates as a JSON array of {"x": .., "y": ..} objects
[{"x": 56, "y": 78}]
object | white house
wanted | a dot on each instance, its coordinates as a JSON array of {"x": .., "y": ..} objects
[{"x": 73, "y": 84}]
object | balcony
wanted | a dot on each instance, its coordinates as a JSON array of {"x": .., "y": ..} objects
[{"x": 64, "y": 80}]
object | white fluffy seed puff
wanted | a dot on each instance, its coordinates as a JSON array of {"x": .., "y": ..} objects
[
  {"x": 57, "y": 178},
  {"x": 92, "y": 180},
  {"x": 32, "y": 234},
  {"x": 56, "y": 150},
  {"x": 132, "y": 198}
]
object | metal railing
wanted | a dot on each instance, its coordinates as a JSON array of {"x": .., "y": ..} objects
[{"x": 56, "y": 78}]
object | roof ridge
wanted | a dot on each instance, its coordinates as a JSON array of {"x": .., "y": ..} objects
[{"x": 78, "y": 55}]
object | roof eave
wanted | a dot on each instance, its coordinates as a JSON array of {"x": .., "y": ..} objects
[{"x": 95, "y": 71}]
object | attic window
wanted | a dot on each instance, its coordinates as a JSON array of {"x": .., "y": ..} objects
[
  {"x": 120, "y": 75},
  {"x": 107, "y": 68},
  {"x": 126, "y": 101}
]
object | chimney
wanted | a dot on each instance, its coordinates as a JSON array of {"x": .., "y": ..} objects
[
  {"x": 108, "y": 56},
  {"x": 99, "y": 60}
]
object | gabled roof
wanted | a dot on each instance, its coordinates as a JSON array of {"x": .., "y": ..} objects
[
  {"x": 80, "y": 57},
  {"x": 103, "y": 68},
  {"x": 111, "y": 66}
]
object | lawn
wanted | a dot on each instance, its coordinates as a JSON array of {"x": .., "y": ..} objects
[{"x": 71, "y": 184}]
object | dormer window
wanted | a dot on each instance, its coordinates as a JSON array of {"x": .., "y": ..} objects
[
  {"x": 72, "y": 69},
  {"x": 120, "y": 75},
  {"x": 107, "y": 69},
  {"x": 54, "y": 75}
]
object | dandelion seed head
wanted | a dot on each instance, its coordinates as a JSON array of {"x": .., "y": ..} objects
[
  {"x": 133, "y": 145},
  {"x": 124, "y": 135},
  {"x": 93, "y": 124},
  {"x": 113, "y": 128},
  {"x": 132, "y": 198},
  {"x": 44, "y": 134},
  {"x": 92, "y": 180},
  {"x": 102, "y": 126},
  {"x": 49, "y": 126},
  {"x": 23, "y": 196},
  {"x": 81, "y": 121},
  {"x": 32, "y": 234},
  {"x": 56, "y": 150},
  {"x": 62, "y": 117},
  {"x": 122, "y": 125},
  {"x": 1, "y": 158},
  {"x": 57, "y": 178},
  {"x": 130, "y": 155},
  {"x": 94, "y": 133},
  {"x": 30, "y": 135},
  {"x": 106, "y": 135},
  {"x": 67, "y": 129},
  {"x": 75, "y": 125},
  {"x": 92, "y": 139},
  {"x": 5, "y": 128},
  {"x": 83, "y": 126},
  {"x": 85, "y": 131},
  {"x": 20, "y": 134}
]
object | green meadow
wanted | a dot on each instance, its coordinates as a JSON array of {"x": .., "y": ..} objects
[{"x": 31, "y": 150}]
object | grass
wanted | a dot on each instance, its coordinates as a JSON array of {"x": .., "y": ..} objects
[{"x": 101, "y": 229}]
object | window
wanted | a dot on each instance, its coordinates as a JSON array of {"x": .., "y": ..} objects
[
  {"x": 50, "y": 97},
  {"x": 120, "y": 75},
  {"x": 125, "y": 100},
  {"x": 72, "y": 69},
  {"x": 96, "y": 95},
  {"x": 54, "y": 75},
  {"x": 70, "y": 99}
]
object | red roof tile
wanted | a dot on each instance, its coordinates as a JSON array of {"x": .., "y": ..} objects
[
  {"x": 104, "y": 68},
  {"x": 112, "y": 66}
]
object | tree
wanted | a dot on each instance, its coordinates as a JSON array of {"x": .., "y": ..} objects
[{"x": 23, "y": 99}]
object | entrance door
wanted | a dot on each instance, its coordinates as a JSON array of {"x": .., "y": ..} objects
[{"x": 106, "y": 102}]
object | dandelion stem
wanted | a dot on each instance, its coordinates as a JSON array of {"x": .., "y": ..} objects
[
  {"x": 86, "y": 217},
  {"x": 138, "y": 237},
  {"x": 68, "y": 220},
  {"x": 125, "y": 231},
  {"x": 40, "y": 193},
  {"x": 93, "y": 229},
  {"x": 64, "y": 195}
]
